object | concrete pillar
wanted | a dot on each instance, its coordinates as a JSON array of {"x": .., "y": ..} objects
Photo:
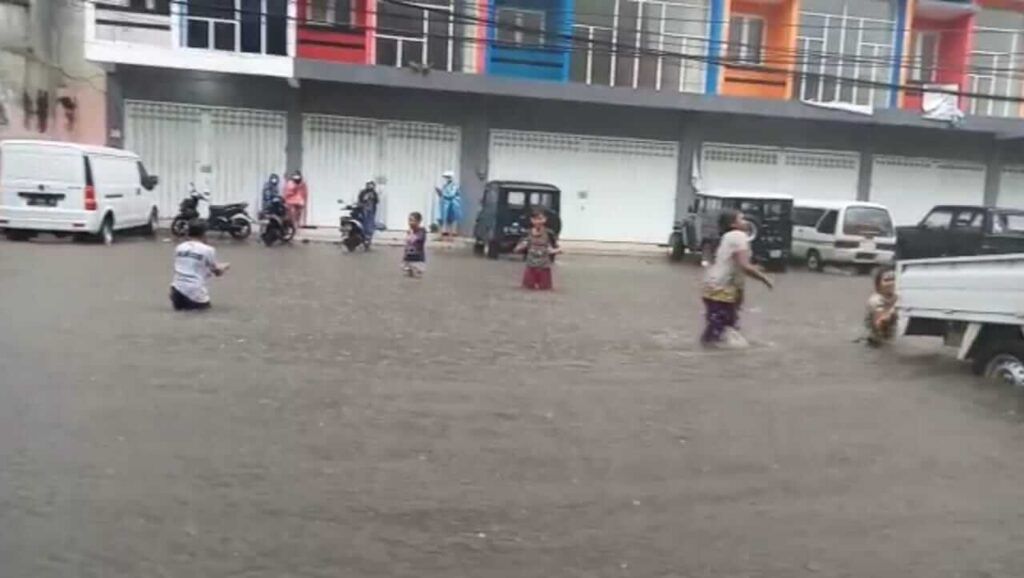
[
  {"x": 993, "y": 174},
  {"x": 473, "y": 163},
  {"x": 293, "y": 130},
  {"x": 690, "y": 138},
  {"x": 867, "y": 157},
  {"x": 115, "y": 109}
]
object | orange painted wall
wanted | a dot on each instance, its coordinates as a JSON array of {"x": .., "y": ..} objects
[{"x": 774, "y": 79}]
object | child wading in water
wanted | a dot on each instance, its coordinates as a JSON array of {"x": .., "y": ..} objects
[
  {"x": 194, "y": 262},
  {"x": 415, "y": 259},
  {"x": 880, "y": 314},
  {"x": 540, "y": 246},
  {"x": 724, "y": 282}
]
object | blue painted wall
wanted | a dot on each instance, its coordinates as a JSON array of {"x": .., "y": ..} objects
[
  {"x": 902, "y": 19},
  {"x": 548, "y": 63},
  {"x": 713, "y": 70}
]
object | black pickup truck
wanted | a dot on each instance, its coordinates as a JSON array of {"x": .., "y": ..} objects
[{"x": 959, "y": 231}]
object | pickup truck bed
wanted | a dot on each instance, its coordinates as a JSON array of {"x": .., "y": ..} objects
[{"x": 977, "y": 302}]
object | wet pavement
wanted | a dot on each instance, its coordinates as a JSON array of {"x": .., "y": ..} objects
[{"x": 329, "y": 418}]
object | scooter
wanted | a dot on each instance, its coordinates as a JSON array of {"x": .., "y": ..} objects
[
  {"x": 351, "y": 225},
  {"x": 232, "y": 218},
  {"x": 275, "y": 225}
]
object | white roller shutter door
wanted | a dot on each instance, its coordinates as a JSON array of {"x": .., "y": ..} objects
[
  {"x": 803, "y": 173},
  {"x": 911, "y": 186},
  {"x": 406, "y": 159},
  {"x": 613, "y": 189},
  {"x": 1011, "y": 188},
  {"x": 228, "y": 151}
]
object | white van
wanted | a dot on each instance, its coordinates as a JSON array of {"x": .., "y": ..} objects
[
  {"x": 72, "y": 189},
  {"x": 842, "y": 233}
]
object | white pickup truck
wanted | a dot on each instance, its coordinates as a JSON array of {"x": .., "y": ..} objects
[{"x": 975, "y": 303}]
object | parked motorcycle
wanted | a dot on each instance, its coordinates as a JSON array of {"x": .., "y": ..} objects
[
  {"x": 351, "y": 225},
  {"x": 275, "y": 225},
  {"x": 232, "y": 218}
]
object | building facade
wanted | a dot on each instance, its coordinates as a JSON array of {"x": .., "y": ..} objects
[
  {"x": 47, "y": 88},
  {"x": 628, "y": 106}
]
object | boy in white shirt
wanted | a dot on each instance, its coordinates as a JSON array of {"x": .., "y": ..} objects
[{"x": 194, "y": 262}]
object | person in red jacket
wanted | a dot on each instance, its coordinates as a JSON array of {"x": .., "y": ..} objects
[{"x": 296, "y": 194}]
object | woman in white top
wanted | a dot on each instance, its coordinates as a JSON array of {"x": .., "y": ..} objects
[{"x": 724, "y": 279}]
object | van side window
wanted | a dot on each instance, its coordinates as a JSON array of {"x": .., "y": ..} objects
[
  {"x": 827, "y": 226},
  {"x": 807, "y": 217}
]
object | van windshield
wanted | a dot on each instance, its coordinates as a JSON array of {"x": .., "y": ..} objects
[{"x": 870, "y": 221}]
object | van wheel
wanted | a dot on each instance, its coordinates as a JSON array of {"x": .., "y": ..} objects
[
  {"x": 106, "y": 234},
  {"x": 676, "y": 249},
  {"x": 13, "y": 235},
  {"x": 865, "y": 269},
  {"x": 478, "y": 248},
  {"x": 153, "y": 224},
  {"x": 814, "y": 262}
]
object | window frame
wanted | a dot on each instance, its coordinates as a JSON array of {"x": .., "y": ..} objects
[
  {"x": 739, "y": 54},
  {"x": 918, "y": 68},
  {"x": 519, "y": 35},
  {"x": 834, "y": 215},
  {"x": 949, "y": 224},
  {"x": 329, "y": 7}
]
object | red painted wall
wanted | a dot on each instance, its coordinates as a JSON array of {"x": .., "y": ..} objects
[
  {"x": 954, "y": 49},
  {"x": 335, "y": 44}
]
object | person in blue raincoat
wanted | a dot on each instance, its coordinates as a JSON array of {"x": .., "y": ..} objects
[
  {"x": 450, "y": 205},
  {"x": 271, "y": 189}
]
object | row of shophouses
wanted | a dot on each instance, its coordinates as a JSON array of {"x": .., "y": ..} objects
[{"x": 628, "y": 106}]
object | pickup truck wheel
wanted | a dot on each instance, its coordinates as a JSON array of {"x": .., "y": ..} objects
[
  {"x": 493, "y": 250},
  {"x": 1002, "y": 361},
  {"x": 814, "y": 262}
]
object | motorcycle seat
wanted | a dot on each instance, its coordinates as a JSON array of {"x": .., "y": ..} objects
[{"x": 228, "y": 208}]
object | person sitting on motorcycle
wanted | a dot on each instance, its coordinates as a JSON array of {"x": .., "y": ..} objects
[
  {"x": 271, "y": 189},
  {"x": 368, "y": 200},
  {"x": 295, "y": 195}
]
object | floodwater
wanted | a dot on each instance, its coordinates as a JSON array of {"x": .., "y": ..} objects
[{"x": 330, "y": 418}]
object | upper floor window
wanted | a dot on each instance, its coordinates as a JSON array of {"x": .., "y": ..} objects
[
  {"x": 255, "y": 26},
  {"x": 654, "y": 44},
  {"x": 330, "y": 13},
  {"x": 424, "y": 33},
  {"x": 925, "y": 56},
  {"x": 155, "y": 6},
  {"x": 746, "y": 39},
  {"x": 845, "y": 51},
  {"x": 995, "y": 61},
  {"x": 519, "y": 27}
]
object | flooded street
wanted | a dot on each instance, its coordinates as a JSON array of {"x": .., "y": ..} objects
[{"x": 331, "y": 418}]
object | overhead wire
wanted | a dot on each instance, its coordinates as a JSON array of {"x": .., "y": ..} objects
[{"x": 773, "y": 60}]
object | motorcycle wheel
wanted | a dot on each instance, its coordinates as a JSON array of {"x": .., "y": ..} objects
[
  {"x": 179, "y": 227},
  {"x": 269, "y": 235},
  {"x": 240, "y": 229},
  {"x": 352, "y": 242}
]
